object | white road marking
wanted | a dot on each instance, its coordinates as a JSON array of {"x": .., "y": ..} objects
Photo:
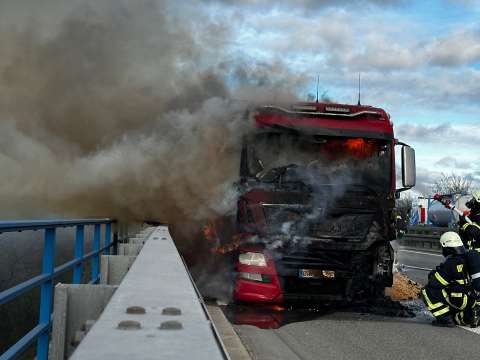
[
  {"x": 474, "y": 330},
  {"x": 419, "y": 252}
]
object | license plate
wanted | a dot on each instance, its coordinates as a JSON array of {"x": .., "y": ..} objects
[
  {"x": 315, "y": 274},
  {"x": 310, "y": 273}
]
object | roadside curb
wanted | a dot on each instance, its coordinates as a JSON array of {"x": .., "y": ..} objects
[{"x": 233, "y": 344}]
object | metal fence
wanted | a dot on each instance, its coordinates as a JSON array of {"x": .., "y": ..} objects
[{"x": 40, "y": 333}]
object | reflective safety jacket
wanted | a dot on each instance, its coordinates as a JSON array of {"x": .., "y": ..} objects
[
  {"x": 472, "y": 258},
  {"x": 470, "y": 234},
  {"x": 447, "y": 287}
]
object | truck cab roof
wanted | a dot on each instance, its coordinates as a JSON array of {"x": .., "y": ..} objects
[{"x": 329, "y": 119}]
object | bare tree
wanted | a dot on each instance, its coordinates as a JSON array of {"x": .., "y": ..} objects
[{"x": 451, "y": 184}]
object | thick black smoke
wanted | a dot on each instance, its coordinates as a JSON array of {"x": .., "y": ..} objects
[{"x": 123, "y": 109}]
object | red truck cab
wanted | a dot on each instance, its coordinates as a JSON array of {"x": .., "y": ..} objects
[{"x": 316, "y": 204}]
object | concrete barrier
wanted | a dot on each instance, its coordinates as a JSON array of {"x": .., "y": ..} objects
[
  {"x": 417, "y": 241},
  {"x": 114, "y": 267},
  {"x": 129, "y": 249},
  {"x": 155, "y": 312},
  {"x": 76, "y": 307},
  {"x": 423, "y": 237}
]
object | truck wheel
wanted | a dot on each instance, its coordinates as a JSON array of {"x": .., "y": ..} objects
[{"x": 383, "y": 266}]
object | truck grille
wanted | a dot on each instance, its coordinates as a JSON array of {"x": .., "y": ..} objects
[
  {"x": 296, "y": 288},
  {"x": 345, "y": 226},
  {"x": 300, "y": 222},
  {"x": 310, "y": 260}
]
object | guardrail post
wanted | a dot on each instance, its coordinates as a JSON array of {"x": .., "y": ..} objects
[
  {"x": 107, "y": 239},
  {"x": 79, "y": 248},
  {"x": 46, "y": 293},
  {"x": 96, "y": 257}
]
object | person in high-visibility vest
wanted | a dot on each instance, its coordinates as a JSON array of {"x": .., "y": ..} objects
[
  {"x": 448, "y": 293},
  {"x": 470, "y": 231}
]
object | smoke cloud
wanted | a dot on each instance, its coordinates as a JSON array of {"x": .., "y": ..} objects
[{"x": 124, "y": 109}]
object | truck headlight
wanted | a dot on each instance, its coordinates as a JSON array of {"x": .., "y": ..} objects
[{"x": 252, "y": 258}]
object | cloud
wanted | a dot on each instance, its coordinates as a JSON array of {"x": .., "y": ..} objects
[
  {"x": 434, "y": 133},
  {"x": 441, "y": 134},
  {"x": 452, "y": 162},
  {"x": 458, "y": 48},
  {"x": 425, "y": 180},
  {"x": 401, "y": 59},
  {"x": 382, "y": 51},
  {"x": 343, "y": 37}
]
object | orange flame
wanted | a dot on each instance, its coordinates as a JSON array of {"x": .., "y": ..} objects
[
  {"x": 209, "y": 232},
  {"x": 232, "y": 246},
  {"x": 211, "y": 236},
  {"x": 357, "y": 148},
  {"x": 360, "y": 148}
]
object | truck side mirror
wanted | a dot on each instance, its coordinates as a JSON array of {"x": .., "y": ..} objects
[{"x": 408, "y": 167}]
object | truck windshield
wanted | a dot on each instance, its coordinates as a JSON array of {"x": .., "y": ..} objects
[{"x": 327, "y": 160}]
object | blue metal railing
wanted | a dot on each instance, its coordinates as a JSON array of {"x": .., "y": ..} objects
[{"x": 50, "y": 272}]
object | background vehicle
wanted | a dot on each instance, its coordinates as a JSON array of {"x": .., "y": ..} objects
[{"x": 316, "y": 210}]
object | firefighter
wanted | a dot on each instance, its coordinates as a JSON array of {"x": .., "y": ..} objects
[
  {"x": 473, "y": 267},
  {"x": 470, "y": 232},
  {"x": 448, "y": 292}
]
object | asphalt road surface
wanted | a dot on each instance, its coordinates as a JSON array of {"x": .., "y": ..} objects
[
  {"x": 413, "y": 259},
  {"x": 326, "y": 333},
  {"x": 358, "y": 336}
]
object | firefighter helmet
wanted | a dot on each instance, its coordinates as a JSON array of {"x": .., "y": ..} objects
[{"x": 451, "y": 243}]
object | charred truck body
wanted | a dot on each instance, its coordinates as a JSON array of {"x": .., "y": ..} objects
[{"x": 316, "y": 211}]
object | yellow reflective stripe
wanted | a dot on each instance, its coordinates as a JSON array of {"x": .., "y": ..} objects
[
  {"x": 462, "y": 282},
  {"x": 460, "y": 268},
  {"x": 464, "y": 304},
  {"x": 441, "y": 312},
  {"x": 429, "y": 302},
  {"x": 441, "y": 279},
  {"x": 445, "y": 295},
  {"x": 457, "y": 318},
  {"x": 467, "y": 225}
]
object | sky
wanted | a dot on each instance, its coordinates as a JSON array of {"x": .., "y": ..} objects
[{"x": 419, "y": 60}]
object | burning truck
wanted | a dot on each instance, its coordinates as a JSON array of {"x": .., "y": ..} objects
[{"x": 315, "y": 214}]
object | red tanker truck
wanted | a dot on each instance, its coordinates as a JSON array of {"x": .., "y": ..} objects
[{"x": 316, "y": 210}]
